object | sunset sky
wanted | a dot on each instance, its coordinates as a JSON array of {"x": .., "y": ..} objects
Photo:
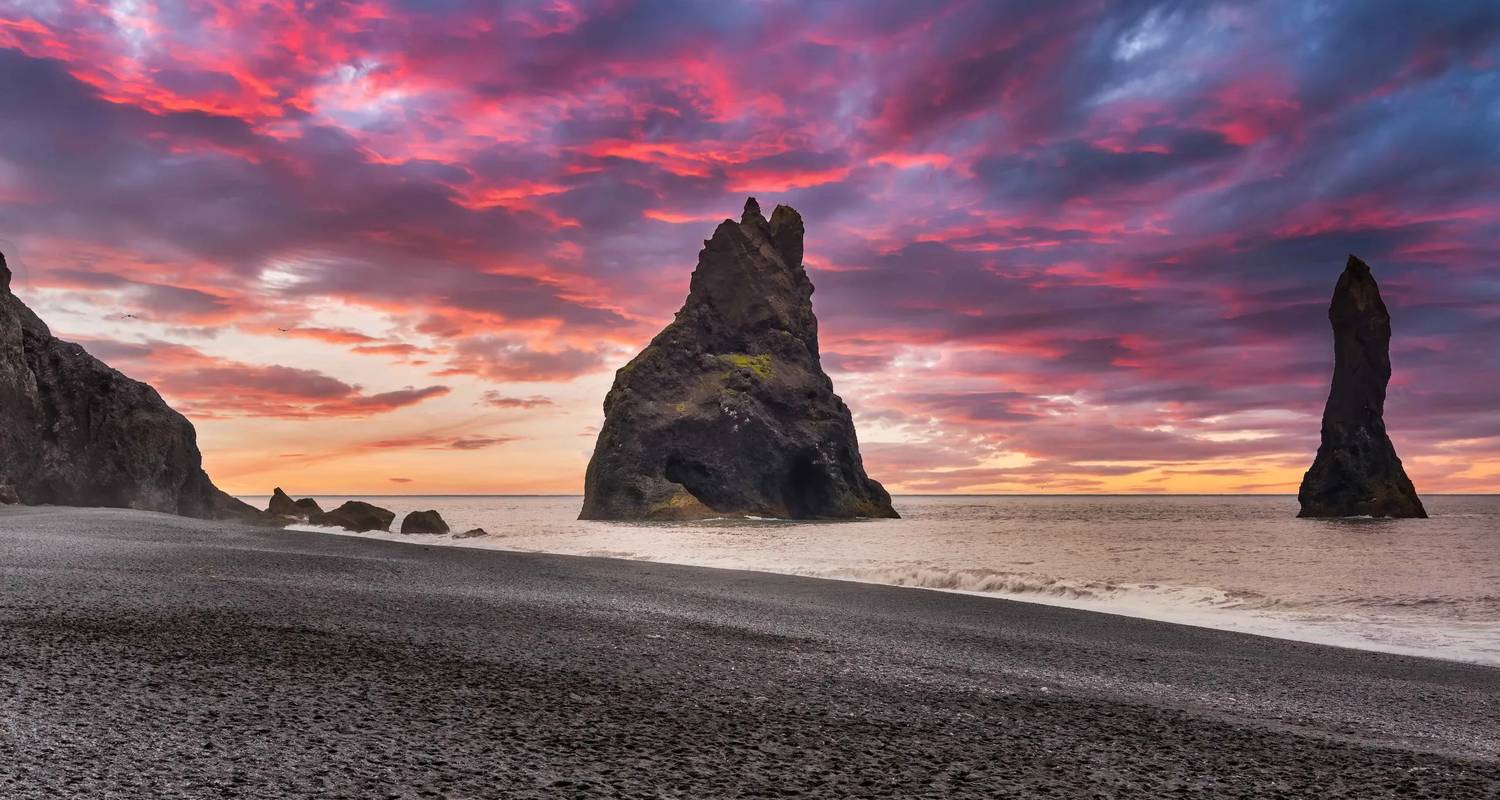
[{"x": 400, "y": 247}]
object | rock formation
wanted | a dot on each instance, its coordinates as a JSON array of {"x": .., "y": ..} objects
[
  {"x": 1356, "y": 472},
  {"x": 8, "y": 496},
  {"x": 471, "y": 533},
  {"x": 75, "y": 432},
  {"x": 728, "y": 411},
  {"x": 424, "y": 522},
  {"x": 283, "y": 505},
  {"x": 356, "y": 515}
]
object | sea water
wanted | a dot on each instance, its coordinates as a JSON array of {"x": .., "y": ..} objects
[{"x": 1424, "y": 587}]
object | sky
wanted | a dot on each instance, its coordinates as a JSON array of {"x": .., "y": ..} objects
[{"x": 388, "y": 246}]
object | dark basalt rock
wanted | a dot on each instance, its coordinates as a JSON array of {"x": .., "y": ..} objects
[
  {"x": 282, "y": 505},
  {"x": 424, "y": 522},
  {"x": 472, "y": 533},
  {"x": 8, "y": 495},
  {"x": 728, "y": 411},
  {"x": 75, "y": 432},
  {"x": 356, "y": 515},
  {"x": 1356, "y": 472}
]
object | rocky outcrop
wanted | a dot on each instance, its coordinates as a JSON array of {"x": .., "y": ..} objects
[
  {"x": 8, "y": 496},
  {"x": 75, "y": 432},
  {"x": 356, "y": 515},
  {"x": 282, "y": 505},
  {"x": 424, "y": 522},
  {"x": 728, "y": 411},
  {"x": 1356, "y": 472}
]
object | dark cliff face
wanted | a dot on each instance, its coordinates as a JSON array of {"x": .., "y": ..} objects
[
  {"x": 75, "y": 432},
  {"x": 728, "y": 411},
  {"x": 1357, "y": 472}
]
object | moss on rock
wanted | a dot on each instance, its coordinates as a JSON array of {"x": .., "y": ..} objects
[{"x": 760, "y": 365}]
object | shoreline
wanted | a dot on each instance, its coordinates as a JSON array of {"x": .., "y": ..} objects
[
  {"x": 1250, "y": 622},
  {"x": 145, "y": 654}
]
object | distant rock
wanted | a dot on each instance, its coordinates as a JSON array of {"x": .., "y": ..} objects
[
  {"x": 728, "y": 411},
  {"x": 282, "y": 505},
  {"x": 1356, "y": 472},
  {"x": 75, "y": 432},
  {"x": 471, "y": 533},
  {"x": 356, "y": 515},
  {"x": 424, "y": 522}
]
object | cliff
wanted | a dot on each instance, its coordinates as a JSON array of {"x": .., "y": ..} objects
[{"x": 75, "y": 432}]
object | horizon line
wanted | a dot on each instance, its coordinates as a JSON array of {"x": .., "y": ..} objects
[{"x": 903, "y": 494}]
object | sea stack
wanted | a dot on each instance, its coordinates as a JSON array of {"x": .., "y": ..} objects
[
  {"x": 728, "y": 412},
  {"x": 75, "y": 432},
  {"x": 1356, "y": 472}
]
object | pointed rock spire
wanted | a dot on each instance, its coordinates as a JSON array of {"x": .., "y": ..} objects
[
  {"x": 786, "y": 234},
  {"x": 728, "y": 411},
  {"x": 1357, "y": 472},
  {"x": 752, "y": 212},
  {"x": 4, "y": 275}
]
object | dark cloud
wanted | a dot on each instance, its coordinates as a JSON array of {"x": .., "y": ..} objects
[
  {"x": 1083, "y": 232},
  {"x": 1067, "y": 170},
  {"x": 498, "y": 400},
  {"x": 211, "y": 387},
  {"x": 497, "y": 359}
]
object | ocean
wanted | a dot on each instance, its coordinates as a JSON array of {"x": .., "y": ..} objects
[{"x": 1245, "y": 563}]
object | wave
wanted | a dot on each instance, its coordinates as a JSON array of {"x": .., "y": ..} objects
[
  {"x": 986, "y": 581},
  {"x": 1457, "y": 628},
  {"x": 1368, "y": 627}
]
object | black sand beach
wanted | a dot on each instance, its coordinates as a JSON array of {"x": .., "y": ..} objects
[{"x": 144, "y": 655}]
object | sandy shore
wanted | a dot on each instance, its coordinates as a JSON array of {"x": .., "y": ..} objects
[{"x": 151, "y": 656}]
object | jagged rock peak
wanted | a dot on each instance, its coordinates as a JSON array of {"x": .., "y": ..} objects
[
  {"x": 786, "y": 234},
  {"x": 728, "y": 411},
  {"x": 1357, "y": 471},
  {"x": 282, "y": 505},
  {"x": 4, "y": 274}
]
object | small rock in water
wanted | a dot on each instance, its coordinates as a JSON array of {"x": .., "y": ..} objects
[
  {"x": 471, "y": 533},
  {"x": 424, "y": 522},
  {"x": 282, "y": 505},
  {"x": 358, "y": 516}
]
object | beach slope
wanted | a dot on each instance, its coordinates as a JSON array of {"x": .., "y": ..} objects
[{"x": 143, "y": 655}]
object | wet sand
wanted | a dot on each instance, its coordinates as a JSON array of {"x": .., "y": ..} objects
[{"x": 151, "y": 656}]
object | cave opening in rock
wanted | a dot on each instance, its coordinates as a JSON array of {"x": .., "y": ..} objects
[
  {"x": 807, "y": 491},
  {"x": 699, "y": 481}
]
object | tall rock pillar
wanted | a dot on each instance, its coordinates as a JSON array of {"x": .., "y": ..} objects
[{"x": 1357, "y": 472}]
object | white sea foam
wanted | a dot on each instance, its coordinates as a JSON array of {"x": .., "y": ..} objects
[{"x": 1418, "y": 587}]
